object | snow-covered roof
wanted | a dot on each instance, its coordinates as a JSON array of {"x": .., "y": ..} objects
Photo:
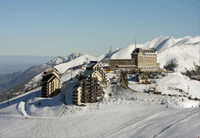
[{"x": 49, "y": 69}]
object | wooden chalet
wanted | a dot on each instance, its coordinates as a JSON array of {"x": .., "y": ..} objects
[{"x": 142, "y": 77}]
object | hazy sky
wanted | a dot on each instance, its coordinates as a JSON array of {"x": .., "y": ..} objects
[{"x": 61, "y": 27}]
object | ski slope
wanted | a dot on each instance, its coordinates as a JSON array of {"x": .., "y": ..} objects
[
  {"x": 171, "y": 84},
  {"x": 112, "y": 117},
  {"x": 124, "y": 114}
]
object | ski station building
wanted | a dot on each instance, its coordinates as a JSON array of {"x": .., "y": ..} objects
[{"x": 144, "y": 60}]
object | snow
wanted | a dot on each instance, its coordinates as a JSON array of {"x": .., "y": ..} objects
[
  {"x": 21, "y": 107},
  {"x": 125, "y": 113},
  {"x": 183, "y": 51},
  {"x": 60, "y": 59},
  {"x": 62, "y": 68},
  {"x": 171, "y": 84},
  {"x": 78, "y": 61},
  {"x": 177, "y": 80}
]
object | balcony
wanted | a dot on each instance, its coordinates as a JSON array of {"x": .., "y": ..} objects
[{"x": 75, "y": 98}]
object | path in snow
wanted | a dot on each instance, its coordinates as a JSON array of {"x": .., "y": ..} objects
[
  {"x": 21, "y": 107},
  {"x": 127, "y": 122}
]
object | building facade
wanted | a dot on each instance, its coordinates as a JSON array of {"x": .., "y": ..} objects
[
  {"x": 142, "y": 78},
  {"x": 89, "y": 88},
  {"x": 50, "y": 82},
  {"x": 120, "y": 63},
  {"x": 146, "y": 59}
]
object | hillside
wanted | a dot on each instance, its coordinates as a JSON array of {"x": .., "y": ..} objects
[
  {"x": 17, "y": 84},
  {"x": 62, "y": 68},
  {"x": 182, "y": 52},
  {"x": 124, "y": 114},
  {"x": 6, "y": 79}
]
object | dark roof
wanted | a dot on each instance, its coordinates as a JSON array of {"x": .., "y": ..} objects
[
  {"x": 49, "y": 71},
  {"x": 150, "y": 50},
  {"x": 137, "y": 50},
  {"x": 93, "y": 61},
  {"x": 46, "y": 78},
  {"x": 91, "y": 64}
]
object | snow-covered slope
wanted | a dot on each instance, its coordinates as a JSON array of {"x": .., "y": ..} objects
[
  {"x": 174, "y": 84},
  {"x": 125, "y": 114},
  {"x": 184, "y": 57},
  {"x": 182, "y": 51},
  {"x": 64, "y": 67},
  {"x": 60, "y": 59},
  {"x": 78, "y": 61}
]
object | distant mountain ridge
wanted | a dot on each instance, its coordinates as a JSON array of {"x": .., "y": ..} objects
[
  {"x": 32, "y": 71},
  {"x": 60, "y": 59},
  {"x": 183, "y": 52}
]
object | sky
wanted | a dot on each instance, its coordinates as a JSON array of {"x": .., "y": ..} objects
[{"x": 62, "y": 27}]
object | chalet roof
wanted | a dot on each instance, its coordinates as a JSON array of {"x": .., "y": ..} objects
[
  {"x": 90, "y": 65},
  {"x": 49, "y": 71},
  {"x": 47, "y": 77}
]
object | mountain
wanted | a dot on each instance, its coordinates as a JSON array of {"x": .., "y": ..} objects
[
  {"x": 60, "y": 59},
  {"x": 123, "y": 114},
  {"x": 6, "y": 79},
  {"x": 62, "y": 68},
  {"x": 182, "y": 53},
  {"x": 33, "y": 71}
]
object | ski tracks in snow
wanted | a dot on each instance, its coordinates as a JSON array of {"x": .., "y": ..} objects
[{"x": 173, "y": 124}]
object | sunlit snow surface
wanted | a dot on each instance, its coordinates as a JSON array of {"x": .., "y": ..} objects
[
  {"x": 124, "y": 114},
  {"x": 182, "y": 51}
]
